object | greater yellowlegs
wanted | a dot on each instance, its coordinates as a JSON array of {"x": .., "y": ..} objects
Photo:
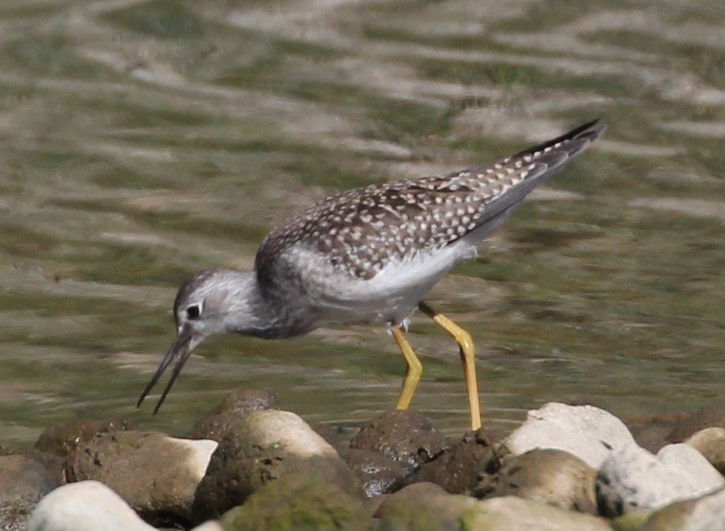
[{"x": 367, "y": 254}]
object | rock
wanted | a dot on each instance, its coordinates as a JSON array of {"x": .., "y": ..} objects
[
  {"x": 710, "y": 442},
  {"x": 299, "y": 501},
  {"x": 551, "y": 476},
  {"x": 511, "y": 513},
  {"x": 458, "y": 468},
  {"x": 85, "y": 505},
  {"x": 23, "y": 482},
  {"x": 709, "y": 417},
  {"x": 703, "y": 477},
  {"x": 156, "y": 474},
  {"x": 587, "y": 432},
  {"x": 706, "y": 513},
  {"x": 633, "y": 479},
  {"x": 651, "y": 433},
  {"x": 265, "y": 446},
  {"x": 423, "y": 507},
  {"x": 403, "y": 435},
  {"x": 57, "y": 442},
  {"x": 209, "y": 525},
  {"x": 377, "y": 473},
  {"x": 227, "y": 414}
]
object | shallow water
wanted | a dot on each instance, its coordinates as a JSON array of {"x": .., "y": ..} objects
[{"x": 143, "y": 140}]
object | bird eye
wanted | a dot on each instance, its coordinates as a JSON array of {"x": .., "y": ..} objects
[{"x": 193, "y": 311}]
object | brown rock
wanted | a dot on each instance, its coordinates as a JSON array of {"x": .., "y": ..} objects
[
  {"x": 423, "y": 507},
  {"x": 403, "y": 435},
  {"x": 377, "y": 473},
  {"x": 156, "y": 474},
  {"x": 58, "y": 441},
  {"x": 265, "y": 446},
  {"x": 299, "y": 502},
  {"x": 709, "y": 417},
  {"x": 553, "y": 476},
  {"x": 23, "y": 482},
  {"x": 228, "y": 413},
  {"x": 511, "y": 513},
  {"x": 458, "y": 468}
]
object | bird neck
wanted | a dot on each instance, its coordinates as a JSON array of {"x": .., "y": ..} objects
[{"x": 250, "y": 312}]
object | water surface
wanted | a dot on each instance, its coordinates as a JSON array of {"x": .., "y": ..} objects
[{"x": 143, "y": 140}]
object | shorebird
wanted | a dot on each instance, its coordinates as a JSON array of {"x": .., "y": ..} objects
[{"x": 367, "y": 254}]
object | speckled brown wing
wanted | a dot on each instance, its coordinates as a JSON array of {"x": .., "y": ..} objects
[{"x": 363, "y": 230}]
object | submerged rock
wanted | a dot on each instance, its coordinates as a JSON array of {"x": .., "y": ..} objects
[{"x": 708, "y": 417}]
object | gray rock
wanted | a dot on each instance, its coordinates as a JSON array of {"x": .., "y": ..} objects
[
  {"x": 551, "y": 476},
  {"x": 265, "y": 446},
  {"x": 702, "y": 476},
  {"x": 706, "y": 513},
  {"x": 156, "y": 474},
  {"x": 403, "y": 435},
  {"x": 710, "y": 442},
  {"x": 511, "y": 513},
  {"x": 85, "y": 505},
  {"x": 587, "y": 432},
  {"x": 632, "y": 479}
]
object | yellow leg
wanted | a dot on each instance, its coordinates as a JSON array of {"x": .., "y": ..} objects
[
  {"x": 468, "y": 359},
  {"x": 414, "y": 371}
]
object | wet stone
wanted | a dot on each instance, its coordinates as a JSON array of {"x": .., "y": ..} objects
[
  {"x": 588, "y": 432},
  {"x": 709, "y": 417},
  {"x": 378, "y": 474},
  {"x": 552, "y": 476},
  {"x": 299, "y": 501},
  {"x": 59, "y": 441},
  {"x": 423, "y": 507},
  {"x": 511, "y": 513},
  {"x": 223, "y": 417},
  {"x": 266, "y": 446},
  {"x": 156, "y": 474},
  {"x": 458, "y": 468},
  {"x": 403, "y": 435}
]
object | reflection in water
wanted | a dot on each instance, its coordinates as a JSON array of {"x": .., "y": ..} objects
[{"x": 140, "y": 142}]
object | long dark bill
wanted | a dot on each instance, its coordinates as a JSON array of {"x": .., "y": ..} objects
[{"x": 179, "y": 350}]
